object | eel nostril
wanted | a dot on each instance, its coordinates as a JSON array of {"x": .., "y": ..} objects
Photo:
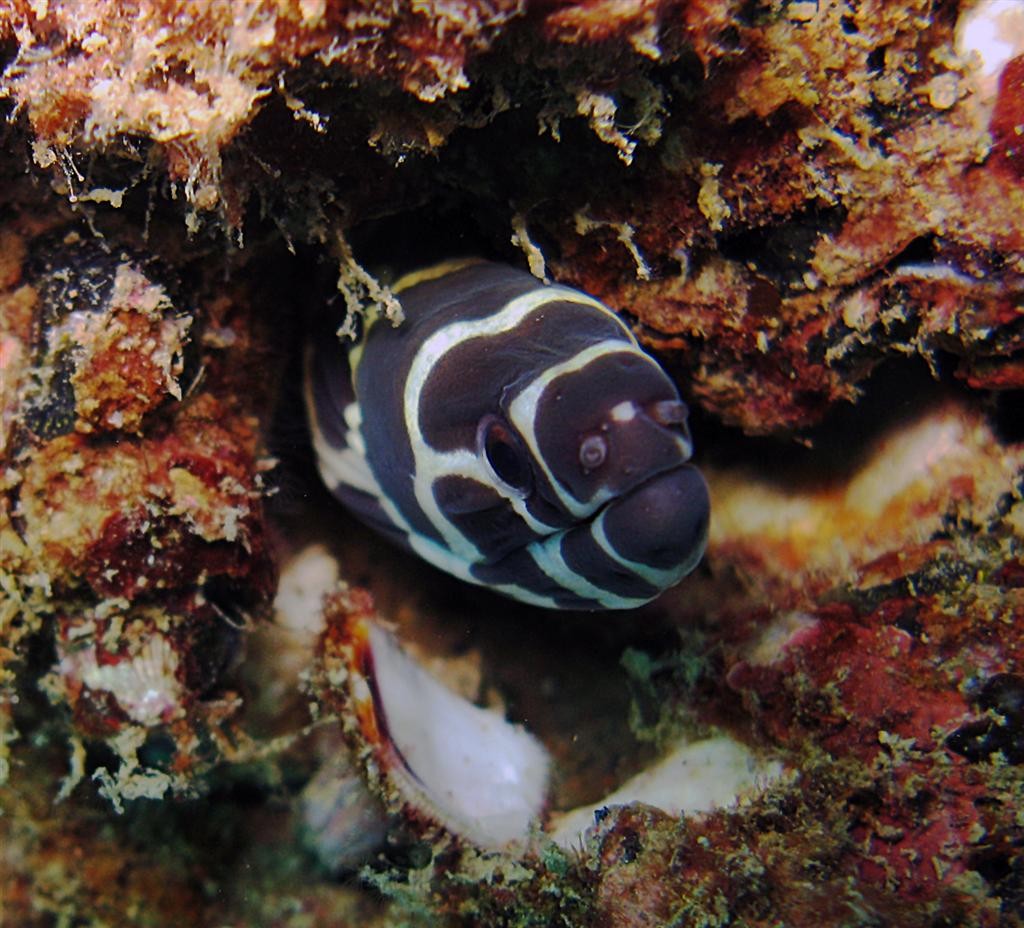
[{"x": 668, "y": 412}]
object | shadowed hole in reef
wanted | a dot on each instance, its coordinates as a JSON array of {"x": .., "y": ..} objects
[
  {"x": 782, "y": 251},
  {"x": 1009, "y": 415},
  {"x": 899, "y": 391},
  {"x": 920, "y": 250},
  {"x": 455, "y": 227}
]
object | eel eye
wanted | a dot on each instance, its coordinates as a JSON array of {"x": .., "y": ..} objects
[
  {"x": 504, "y": 454},
  {"x": 593, "y": 451}
]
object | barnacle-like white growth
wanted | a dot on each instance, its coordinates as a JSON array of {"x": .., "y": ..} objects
[
  {"x": 946, "y": 459},
  {"x": 144, "y": 684}
]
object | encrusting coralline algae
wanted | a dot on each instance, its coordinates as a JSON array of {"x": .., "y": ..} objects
[{"x": 811, "y": 213}]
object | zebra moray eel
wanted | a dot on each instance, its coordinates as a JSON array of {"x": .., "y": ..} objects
[{"x": 515, "y": 435}]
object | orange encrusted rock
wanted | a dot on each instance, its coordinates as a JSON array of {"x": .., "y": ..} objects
[
  {"x": 811, "y": 212},
  {"x": 190, "y": 75}
]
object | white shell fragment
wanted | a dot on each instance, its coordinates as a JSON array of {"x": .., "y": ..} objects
[
  {"x": 482, "y": 777},
  {"x": 990, "y": 32},
  {"x": 284, "y": 648},
  {"x": 343, "y": 823},
  {"x": 695, "y": 777},
  {"x": 307, "y": 576}
]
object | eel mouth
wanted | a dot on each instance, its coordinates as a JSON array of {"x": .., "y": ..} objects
[
  {"x": 673, "y": 508},
  {"x": 631, "y": 549}
]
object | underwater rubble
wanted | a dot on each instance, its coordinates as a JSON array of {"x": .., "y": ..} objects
[{"x": 224, "y": 702}]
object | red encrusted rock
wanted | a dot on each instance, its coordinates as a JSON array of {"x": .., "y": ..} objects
[
  {"x": 138, "y": 516},
  {"x": 783, "y": 197},
  {"x": 132, "y": 513},
  {"x": 1007, "y": 125}
]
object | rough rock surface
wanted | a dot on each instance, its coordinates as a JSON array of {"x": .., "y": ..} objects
[{"x": 812, "y": 212}]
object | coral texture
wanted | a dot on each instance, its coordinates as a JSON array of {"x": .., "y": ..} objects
[
  {"x": 811, "y": 212},
  {"x": 131, "y": 516}
]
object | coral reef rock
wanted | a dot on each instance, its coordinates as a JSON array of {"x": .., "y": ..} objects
[{"x": 810, "y": 213}]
